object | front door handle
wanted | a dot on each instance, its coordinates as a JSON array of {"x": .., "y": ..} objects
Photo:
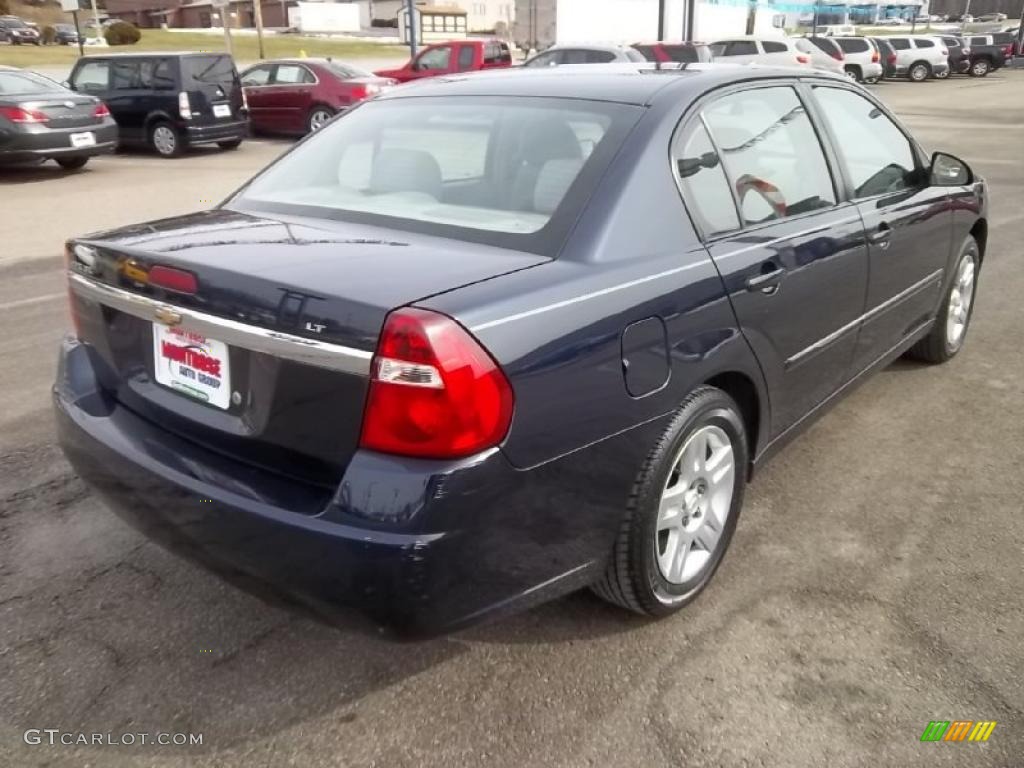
[
  {"x": 768, "y": 281},
  {"x": 881, "y": 236}
]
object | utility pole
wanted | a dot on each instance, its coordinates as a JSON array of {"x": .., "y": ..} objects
[
  {"x": 410, "y": 7},
  {"x": 257, "y": 19},
  {"x": 96, "y": 20},
  {"x": 661, "y": 20},
  {"x": 963, "y": 19}
]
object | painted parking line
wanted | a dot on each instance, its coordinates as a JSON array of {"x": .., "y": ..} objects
[{"x": 34, "y": 300}]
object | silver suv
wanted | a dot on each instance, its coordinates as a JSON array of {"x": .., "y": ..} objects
[
  {"x": 919, "y": 57},
  {"x": 863, "y": 61}
]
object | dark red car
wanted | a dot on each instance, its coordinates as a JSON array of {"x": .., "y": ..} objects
[
  {"x": 682, "y": 53},
  {"x": 453, "y": 56},
  {"x": 300, "y": 95}
]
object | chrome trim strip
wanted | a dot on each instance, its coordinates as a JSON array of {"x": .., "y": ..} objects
[
  {"x": 904, "y": 294},
  {"x": 586, "y": 296},
  {"x": 284, "y": 345},
  {"x": 768, "y": 243}
]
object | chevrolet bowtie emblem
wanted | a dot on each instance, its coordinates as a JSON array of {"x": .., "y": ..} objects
[{"x": 167, "y": 316}]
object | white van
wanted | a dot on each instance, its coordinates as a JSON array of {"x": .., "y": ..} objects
[{"x": 839, "y": 30}]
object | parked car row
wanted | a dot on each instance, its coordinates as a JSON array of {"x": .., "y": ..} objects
[
  {"x": 169, "y": 102},
  {"x": 18, "y": 31}
]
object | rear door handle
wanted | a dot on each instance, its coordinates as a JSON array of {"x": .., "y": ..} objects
[
  {"x": 881, "y": 236},
  {"x": 768, "y": 281}
]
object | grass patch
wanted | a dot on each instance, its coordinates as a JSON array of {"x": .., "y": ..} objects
[{"x": 245, "y": 48}]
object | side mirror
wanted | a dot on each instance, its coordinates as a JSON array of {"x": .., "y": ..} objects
[{"x": 949, "y": 171}]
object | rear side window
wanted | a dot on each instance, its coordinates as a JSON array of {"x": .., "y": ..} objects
[
  {"x": 979, "y": 41},
  {"x": 877, "y": 155},
  {"x": 924, "y": 43},
  {"x": 699, "y": 172},
  {"x": 125, "y": 76},
  {"x": 741, "y": 48},
  {"x": 465, "y": 57},
  {"x": 93, "y": 76},
  {"x": 900, "y": 43},
  {"x": 850, "y": 45},
  {"x": 771, "y": 154},
  {"x": 293, "y": 74},
  {"x": 579, "y": 56},
  {"x": 770, "y": 47},
  {"x": 687, "y": 54},
  {"x": 496, "y": 53},
  {"x": 156, "y": 75}
]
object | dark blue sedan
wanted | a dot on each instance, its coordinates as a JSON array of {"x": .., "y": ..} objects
[{"x": 486, "y": 340}]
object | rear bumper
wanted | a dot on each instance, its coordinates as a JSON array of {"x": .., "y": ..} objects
[
  {"x": 420, "y": 547},
  {"x": 47, "y": 142},
  {"x": 206, "y": 134}
]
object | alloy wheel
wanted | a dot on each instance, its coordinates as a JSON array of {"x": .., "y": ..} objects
[
  {"x": 695, "y": 505},
  {"x": 318, "y": 119},
  {"x": 960, "y": 298}
]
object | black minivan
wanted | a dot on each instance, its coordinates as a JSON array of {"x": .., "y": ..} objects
[{"x": 168, "y": 101}]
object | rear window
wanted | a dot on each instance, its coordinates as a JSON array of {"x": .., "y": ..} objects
[
  {"x": 900, "y": 43},
  {"x": 209, "y": 70},
  {"x": 347, "y": 70},
  {"x": 823, "y": 44},
  {"x": 770, "y": 47},
  {"x": 853, "y": 46},
  {"x": 979, "y": 41},
  {"x": 16, "y": 83},
  {"x": 478, "y": 168}
]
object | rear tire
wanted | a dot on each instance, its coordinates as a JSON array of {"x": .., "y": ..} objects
[
  {"x": 230, "y": 144},
  {"x": 919, "y": 71},
  {"x": 942, "y": 75},
  {"x": 980, "y": 68},
  {"x": 946, "y": 338},
  {"x": 853, "y": 72},
  {"x": 72, "y": 163},
  {"x": 164, "y": 139},
  {"x": 318, "y": 117},
  {"x": 682, "y": 510}
]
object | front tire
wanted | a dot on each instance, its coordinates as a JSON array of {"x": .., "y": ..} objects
[
  {"x": 919, "y": 72},
  {"x": 683, "y": 509},
  {"x": 72, "y": 163},
  {"x": 947, "y": 335}
]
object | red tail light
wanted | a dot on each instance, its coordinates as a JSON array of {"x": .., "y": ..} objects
[
  {"x": 20, "y": 115},
  {"x": 101, "y": 110},
  {"x": 177, "y": 280},
  {"x": 435, "y": 392},
  {"x": 801, "y": 59},
  {"x": 892, "y": 58},
  {"x": 1008, "y": 49},
  {"x": 362, "y": 91},
  {"x": 874, "y": 57}
]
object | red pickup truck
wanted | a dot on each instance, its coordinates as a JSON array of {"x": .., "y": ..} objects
[{"x": 453, "y": 56}]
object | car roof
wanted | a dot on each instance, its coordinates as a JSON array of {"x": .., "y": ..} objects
[
  {"x": 624, "y": 82},
  {"x": 146, "y": 54},
  {"x": 587, "y": 47}
]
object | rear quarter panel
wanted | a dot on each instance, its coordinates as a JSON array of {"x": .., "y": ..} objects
[{"x": 556, "y": 329}]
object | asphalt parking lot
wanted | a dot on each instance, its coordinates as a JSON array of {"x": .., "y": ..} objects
[{"x": 875, "y": 582}]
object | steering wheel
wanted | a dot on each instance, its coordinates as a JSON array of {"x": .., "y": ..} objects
[{"x": 768, "y": 192}]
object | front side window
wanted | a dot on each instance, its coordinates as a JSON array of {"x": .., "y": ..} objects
[
  {"x": 703, "y": 182},
  {"x": 878, "y": 156},
  {"x": 435, "y": 59},
  {"x": 256, "y": 76},
  {"x": 771, "y": 154},
  {"x": 156, "y": 74},
  {"x": 93, "y": 76},
  {"x": 741, "y": 48},
  {"x": 546, "y": 59},
  {"x": 771, "y": 47},
  {"x": 475, "y": 163}
]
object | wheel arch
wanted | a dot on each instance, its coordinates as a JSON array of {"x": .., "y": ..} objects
[
  {"x": 980, "y": 233},
  {"x": 753, "y": 407}
]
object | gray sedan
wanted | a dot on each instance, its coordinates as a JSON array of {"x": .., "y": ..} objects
[{"x": 41, "y": 120}]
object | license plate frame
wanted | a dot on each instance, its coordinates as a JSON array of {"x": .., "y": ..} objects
[
  {"x": 82, "y": 140},
  {"x": 193, "y": 365}
]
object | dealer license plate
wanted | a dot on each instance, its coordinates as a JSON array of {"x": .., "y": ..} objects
[
  {"x": 86, "y": 139},
  {"x": 191, "y": 364}
]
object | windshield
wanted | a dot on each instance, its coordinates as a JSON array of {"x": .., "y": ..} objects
[
  {"x": 14, "y": 83},
  {"x": 483, "y": 164}
]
